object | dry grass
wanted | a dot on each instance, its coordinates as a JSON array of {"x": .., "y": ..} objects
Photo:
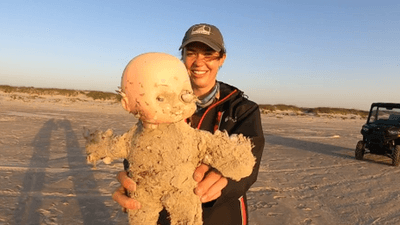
[
  {"x": 99, "y": 95},
  {"x": 96, "y": 95},
  {"x": 316, "y": 111}
]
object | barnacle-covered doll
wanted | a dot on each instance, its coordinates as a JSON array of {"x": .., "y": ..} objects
[{"x": 162, "y": 149}]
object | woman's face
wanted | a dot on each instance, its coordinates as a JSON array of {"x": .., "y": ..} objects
[{"x": 202, "y": 63}]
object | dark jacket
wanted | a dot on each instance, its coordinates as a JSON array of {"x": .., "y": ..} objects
[{"x": 236, "y": 114}]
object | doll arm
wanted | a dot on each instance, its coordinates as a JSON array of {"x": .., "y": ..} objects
[
  {"x": 230, "y": 155},
  {"x": 106, "y": 145},
  {"x": 249, "y": 124}
]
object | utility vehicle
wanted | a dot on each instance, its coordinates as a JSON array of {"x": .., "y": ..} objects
[{"x": 381, "y": 133}]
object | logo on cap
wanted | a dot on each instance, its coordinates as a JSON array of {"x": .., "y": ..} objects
[{"x": 201, "y": 29}]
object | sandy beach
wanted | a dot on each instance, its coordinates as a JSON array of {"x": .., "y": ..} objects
[{"x": 308, "y": 173}]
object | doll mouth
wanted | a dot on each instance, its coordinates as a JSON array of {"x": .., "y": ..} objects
[{"x": 178, "y": 113}]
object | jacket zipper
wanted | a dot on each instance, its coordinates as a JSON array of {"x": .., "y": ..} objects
[{"x": 213, "y": 106}]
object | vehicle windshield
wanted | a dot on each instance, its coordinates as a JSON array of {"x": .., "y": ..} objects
[{"x": 384, "y": 114}]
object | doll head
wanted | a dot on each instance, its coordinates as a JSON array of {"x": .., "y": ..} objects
[{"x": 156, "y": 88}]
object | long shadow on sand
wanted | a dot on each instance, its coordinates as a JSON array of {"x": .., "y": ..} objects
[
  {"x": 93, "y": 210},
  {"x": 322, "y": 148},
  {"x": 308, "y": 146},
  {"x": 26, "y": 212}
]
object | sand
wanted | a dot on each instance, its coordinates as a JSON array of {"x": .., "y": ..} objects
[{"x": 308, "y": 173}]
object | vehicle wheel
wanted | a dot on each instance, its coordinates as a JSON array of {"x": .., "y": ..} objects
[
  {"x": 360, "y": 150},
  {"x": 396, "y": 155}
]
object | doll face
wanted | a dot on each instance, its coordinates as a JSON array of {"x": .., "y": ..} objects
[{"x": 158, "y": 89}]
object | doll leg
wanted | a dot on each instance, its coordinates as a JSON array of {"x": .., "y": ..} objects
[
  {"x": 149, "y": 212},
  {"x": 144, "y": 216},
  {"x": 184, "y": 208}
]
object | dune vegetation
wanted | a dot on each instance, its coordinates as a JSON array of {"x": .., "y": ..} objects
[
  {"x": 266, "y": 108},
  {"x": 96, "y": 95},
  {"x": 99, "y": 95}
]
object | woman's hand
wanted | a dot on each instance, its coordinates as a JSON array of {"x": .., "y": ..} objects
[
  {"x": 210, "y": 183},
  {"x": 209, "y": 187},
  {"x": 120, "y": 195}
]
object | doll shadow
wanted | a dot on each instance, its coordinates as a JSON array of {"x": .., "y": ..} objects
[{"x": 92, "y": 209}]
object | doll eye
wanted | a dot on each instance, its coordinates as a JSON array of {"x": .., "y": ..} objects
[
  {"x": 160, "y": 98},
  {"x": 187, "y": 96}
]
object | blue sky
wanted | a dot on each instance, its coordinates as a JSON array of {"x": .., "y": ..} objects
[{"x": 304, "y": 53}]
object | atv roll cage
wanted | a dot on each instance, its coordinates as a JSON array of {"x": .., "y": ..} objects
[{"x": 381, "y": 133}]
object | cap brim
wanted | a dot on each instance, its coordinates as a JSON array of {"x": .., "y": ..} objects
[{"x": 202, "y": 40}]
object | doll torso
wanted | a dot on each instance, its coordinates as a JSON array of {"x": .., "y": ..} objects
[{"x": 166, "y": 156}]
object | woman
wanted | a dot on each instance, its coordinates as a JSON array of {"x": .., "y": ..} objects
[{"x": 221, "y": 107}]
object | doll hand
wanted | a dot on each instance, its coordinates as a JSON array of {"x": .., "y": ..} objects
[
  {"x": 210, "y": 183},
  {"x": 120, "y": 195}
]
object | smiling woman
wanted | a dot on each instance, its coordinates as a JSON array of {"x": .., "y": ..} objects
[
  {"x": 221, "y": 107},
  {"x": 202, "y": 63},
  {"x": 203, "y": 52}
]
